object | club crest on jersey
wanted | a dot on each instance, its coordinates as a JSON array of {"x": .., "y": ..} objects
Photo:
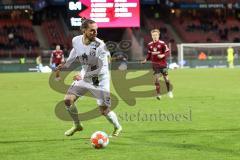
[
  {"x": 154, "y": 49},
  {"x": 92, "y": 51},
  {"x": 84, "y": 58},
  {"x": 93, "y": 48}
]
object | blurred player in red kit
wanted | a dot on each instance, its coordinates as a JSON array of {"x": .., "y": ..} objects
[
  {"x": 57, "y": 57},
  {"x": 158, "y": 53}
]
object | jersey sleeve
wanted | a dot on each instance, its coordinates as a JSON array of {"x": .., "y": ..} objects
[
  {"x": 165, "y": 49},
  {"x": 71, "y": 58},
  {"x": 103, "y": 53},
  {"x": 73, "y": 54},
  {"x": 103, "y": 49}
]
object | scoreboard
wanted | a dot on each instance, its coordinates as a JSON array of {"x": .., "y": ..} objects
[{"x": 107, "y": 13}]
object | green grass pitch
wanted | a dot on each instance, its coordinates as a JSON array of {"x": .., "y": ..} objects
[{"x": 207, "y": 101}]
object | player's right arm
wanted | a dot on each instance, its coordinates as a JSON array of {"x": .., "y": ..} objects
[
  {"x": 63, "y": 59},
  {"x": 69, "y": 61},
  {"x": 51, "y": 59},
  {"x": 148, "y": 57}
]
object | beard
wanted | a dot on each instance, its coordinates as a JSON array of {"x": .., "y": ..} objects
[
  {"x": 91, "y": 38},
  {"x": 88, "y": 39}
]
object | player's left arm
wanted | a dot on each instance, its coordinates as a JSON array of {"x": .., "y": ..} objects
[
  {"x": 165, "y": 51},
  {"x": 109, "y": 59},
  {"x": 106, "y": 51}
]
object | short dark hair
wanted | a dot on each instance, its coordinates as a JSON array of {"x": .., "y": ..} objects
[{"x": 85, "y": 23}]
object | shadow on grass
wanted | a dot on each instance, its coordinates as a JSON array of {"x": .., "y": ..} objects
[
  {"x": 42, "y": 140},
  {"x": 192, "y": 130},
  {"x": 184, "y": 145}
]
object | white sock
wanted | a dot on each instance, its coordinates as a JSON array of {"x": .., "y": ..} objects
[
  {"x": 112, "y": 118},
  {"x": 73, "y": 112}
]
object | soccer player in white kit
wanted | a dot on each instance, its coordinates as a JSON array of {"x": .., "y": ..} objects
[{"x": 94, "y": 76}]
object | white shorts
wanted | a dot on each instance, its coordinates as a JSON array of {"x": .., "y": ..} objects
[{"x": 100, "y": 92}]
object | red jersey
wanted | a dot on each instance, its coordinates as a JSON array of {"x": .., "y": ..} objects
[
  {"x": 157, "y": 48},
  {"x": 57, "y": 56}
]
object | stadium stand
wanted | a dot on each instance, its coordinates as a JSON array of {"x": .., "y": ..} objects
[
  {"x": 54, "y": 33},
  {"x": 17, "y": 37},
  {"x": 199, "y": 29},
  {"x": 204, "y": 1}
]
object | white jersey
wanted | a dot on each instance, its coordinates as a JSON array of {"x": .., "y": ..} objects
[{"x": 93, "y": 57}]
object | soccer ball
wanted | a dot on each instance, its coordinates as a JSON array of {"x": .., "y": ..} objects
[{"x": 99, "y": 139}]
